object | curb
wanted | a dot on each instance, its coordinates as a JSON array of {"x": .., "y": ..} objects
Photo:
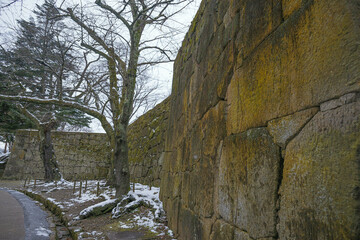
[{"x": 55, "y": 210}]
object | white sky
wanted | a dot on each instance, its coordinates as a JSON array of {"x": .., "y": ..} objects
[{"x": 163, "y": 72}]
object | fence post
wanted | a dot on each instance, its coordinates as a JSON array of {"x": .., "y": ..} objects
[
  {"x": 74, "y": 186},
  {"x": 133, "y": 186},
  {"x": 80, "y": 189},
  {"x": 97, "y": 189},
  {"x": 25, "y": 182}
]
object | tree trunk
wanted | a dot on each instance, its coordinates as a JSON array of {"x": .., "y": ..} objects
[
  {"x": 121, "y": 164},
  {"x": 47, "y": 154}
]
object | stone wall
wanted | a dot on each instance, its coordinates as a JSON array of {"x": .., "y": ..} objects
[
  {"x": 264, "y": 122},
  {"x": 87, "y": 155},
  {"x": 79, "y": 155},
  {"x": 147, "y": 143}
]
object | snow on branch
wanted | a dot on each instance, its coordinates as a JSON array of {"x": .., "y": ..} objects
[{"x": 106, "y": 125}]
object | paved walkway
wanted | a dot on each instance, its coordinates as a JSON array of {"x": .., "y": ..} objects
[
  {"x": 11, "y": 217},
  {"x": 21, "y": 218}
]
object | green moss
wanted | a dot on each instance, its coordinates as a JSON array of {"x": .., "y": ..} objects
[
  {"x": 146, "y": 135},
  {"x": 132, "y": 227}
]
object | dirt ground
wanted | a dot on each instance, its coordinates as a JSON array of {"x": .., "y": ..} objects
[{"x": 100, "y": 227}]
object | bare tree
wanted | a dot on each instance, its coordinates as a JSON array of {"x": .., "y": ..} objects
[{"x": 119, "y": 39}]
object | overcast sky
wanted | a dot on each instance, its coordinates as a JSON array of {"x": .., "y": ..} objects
[{"x": 163, "y": 72}]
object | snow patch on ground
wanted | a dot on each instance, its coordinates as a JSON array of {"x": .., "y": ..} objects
[
  {"x": 40, "y": 231},
  {"x": 152, "y": 220},
  {"x": 91, "y": 235},
  {"x": 88, "y": 195},
  {"x": 59, "y": 204}
]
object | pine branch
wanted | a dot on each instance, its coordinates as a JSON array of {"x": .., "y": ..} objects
[{"x": 105, "y": 124}]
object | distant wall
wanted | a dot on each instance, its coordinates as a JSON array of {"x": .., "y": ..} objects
[
  {"x": 79, "y": 155},
  {"x": 87, "y": 155},
  {"x": 264, "y": 122},
  {"x": 147, "y": 143}
]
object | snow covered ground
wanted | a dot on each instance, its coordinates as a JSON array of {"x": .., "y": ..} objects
[
  {"x": 86, "y": 196},
  {"x": 141, "y": 211},
  {"x": 2, "y": 146}
]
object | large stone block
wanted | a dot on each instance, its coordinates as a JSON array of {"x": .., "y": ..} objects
[
  {"x": 189, "y": 225},
  {"x": 248, "y": 180},
  {"x": 201, "y": 187},
  {"x": 310, "y": 58},
  {"x": 258, "y": 19},
  {"x": 172, "y": 207},
  {"x": 285, "y": 128},
  {"x": 320, "y": 191},
  {"x": 222, "y": 230},
  {"x": 213, "y": 128}
]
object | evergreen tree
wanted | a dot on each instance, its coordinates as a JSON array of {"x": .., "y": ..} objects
[
  {"x": 40, "y": 66},
  {"x": 10, "y": 118}
]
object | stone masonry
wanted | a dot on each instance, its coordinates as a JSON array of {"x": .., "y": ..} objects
[
  {"x": 264, "y": 123},
  {"x": 87, "y": 155},
  {"x": 79, "y": 155}
]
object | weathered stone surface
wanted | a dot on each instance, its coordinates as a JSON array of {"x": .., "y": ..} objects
[
  {"x": 258, "y": 19},
  {"x": 242, "y": 65},
  {"x": 241, "y": 235},
  {"x": 320, "y": 195},
  {"x": 207, "y": 227},
  {"x": 248, "y": 180},
  {"x": 222, "y": 231},
  {"x": 312, "y": 57},
  {"x": 174, "y": 217},
  {"x": 189, "y": 226},
  {"x": 289, "y": 6},
  {"x": 285, "y": 128},
  {"x": 213, "y": 129},
  {"x": 334, "y": 103}
]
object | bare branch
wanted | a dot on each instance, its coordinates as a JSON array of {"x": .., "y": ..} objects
[
  {"x": 151, "y": 63},
  {"x": 117, "y": 14},
  {"x": 163, "y": 51},
  {"x": 95, "y": 50},
  {"x": 9, "y": 4}
]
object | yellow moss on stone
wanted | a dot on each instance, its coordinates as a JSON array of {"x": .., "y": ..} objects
[{"x": 310, "y": 58}]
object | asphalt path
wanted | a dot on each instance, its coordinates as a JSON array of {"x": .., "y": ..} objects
[{"x": 21, "y": 218}]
